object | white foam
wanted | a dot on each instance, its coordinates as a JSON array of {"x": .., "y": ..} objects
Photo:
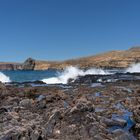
[
  {"x": 72, "y": 73},
  {"x": 4, "y": 78},
  {"x": 134, "y": 68}
]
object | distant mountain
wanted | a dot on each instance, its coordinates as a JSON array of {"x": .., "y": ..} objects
[{"x": 112, "y": 59}]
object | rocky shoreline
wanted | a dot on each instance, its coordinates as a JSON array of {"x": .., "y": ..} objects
[{"x": 91, "y": 108}]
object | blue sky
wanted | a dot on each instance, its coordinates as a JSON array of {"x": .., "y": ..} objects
[{"x": 63, "y": 29}]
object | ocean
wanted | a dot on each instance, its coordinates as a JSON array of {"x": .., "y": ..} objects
[
  {"x": 57, "y": 77},
  {"x": 25, "y": 76}
]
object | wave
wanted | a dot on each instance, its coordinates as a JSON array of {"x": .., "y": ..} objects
[
  {"x": 4, "y": 78},
  {"x": 134, "y": 68},
  {"x": 72, "y": 73}
]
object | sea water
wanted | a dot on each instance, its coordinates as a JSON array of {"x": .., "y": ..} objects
[
  {"x": 25, "y": 76},
  {"x": 57, "y": 77}
]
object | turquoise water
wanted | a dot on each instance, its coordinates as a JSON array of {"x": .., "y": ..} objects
[{"x": 23, "y": 76}]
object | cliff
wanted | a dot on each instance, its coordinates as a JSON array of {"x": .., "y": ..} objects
[
  {"x": 10, "y": 66},
  {"x": 112, "y": 59}
]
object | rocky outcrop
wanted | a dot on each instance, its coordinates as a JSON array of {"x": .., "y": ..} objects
[
  {"x": 10, "y": 66},
  {"x": 77, "y": 111},
  {"x": 29, "y": 64}
]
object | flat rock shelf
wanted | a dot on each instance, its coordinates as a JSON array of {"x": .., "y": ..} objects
[{"x": 91, "y": 108}]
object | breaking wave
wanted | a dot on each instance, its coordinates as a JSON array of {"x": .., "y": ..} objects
[
  {"x": 135, "y": 68},
  {"x": 72, "y": 73},
  {"x": 4, "y": 78}
]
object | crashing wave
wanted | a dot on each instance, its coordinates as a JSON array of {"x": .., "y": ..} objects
[
  {"x": 72, "y": 73},
  {"x": 4, "y": 78},
  {"x": 134, "y": 68}
]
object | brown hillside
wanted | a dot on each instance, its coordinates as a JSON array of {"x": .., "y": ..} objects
[{"x": 112, "y": 59}]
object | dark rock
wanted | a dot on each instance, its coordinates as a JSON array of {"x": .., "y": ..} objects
[
  {"x": 114, "y": 122},
  {"x": 137, "y": 114},
  {"x": 29, "y": 64},
  {"x": 41, "y": 104},
  {"x": 79, "y": 113},
  {"x": 85, "y": 107},
  {"x": 53, "y": 119},
  {"x": 3, "y": 90},
  {"x": 120, "y": 134},
  {"x": 3, "y": 110}
]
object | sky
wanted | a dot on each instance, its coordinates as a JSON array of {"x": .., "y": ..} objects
[{"x": 65, "y": 29}]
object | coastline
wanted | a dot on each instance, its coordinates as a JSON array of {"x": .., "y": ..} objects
[
  {"x": 85, "y": 109},
  {"x": 108, "y": 60}
]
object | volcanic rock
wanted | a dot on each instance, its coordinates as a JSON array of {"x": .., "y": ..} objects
[{"x": 29, "y": 64}]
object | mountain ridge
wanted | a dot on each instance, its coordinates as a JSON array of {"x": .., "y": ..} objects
[{"x": 111, "y": 59}]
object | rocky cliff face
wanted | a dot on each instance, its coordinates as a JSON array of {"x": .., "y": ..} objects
[
  {"x": 112, "y": 59},
  {"x": 10, "y": 66},
  {"x": 29, "y": 64}
]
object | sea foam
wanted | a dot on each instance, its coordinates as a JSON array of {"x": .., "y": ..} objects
[
  {"x": 72, "y": 73},
  {"x": 4, "y": 78},
  {"x": 134, "y": 68}
]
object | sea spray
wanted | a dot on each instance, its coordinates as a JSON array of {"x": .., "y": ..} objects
[
  {"x": 134, "y": 68},
  {"x": 72, "y": 73},
  {"x": 4, "y": 78}
]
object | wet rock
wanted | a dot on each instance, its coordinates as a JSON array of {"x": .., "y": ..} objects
[
  {"x": 120, "y": 122},
  {"x": 114, "y": 122},
  {"x": 93, "y": 85},
  {"x": 120, "y": 134}
]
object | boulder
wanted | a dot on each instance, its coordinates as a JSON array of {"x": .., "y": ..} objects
[
  {"x": 29, "y": 64},
  {"x": 27, "y": 103}
]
